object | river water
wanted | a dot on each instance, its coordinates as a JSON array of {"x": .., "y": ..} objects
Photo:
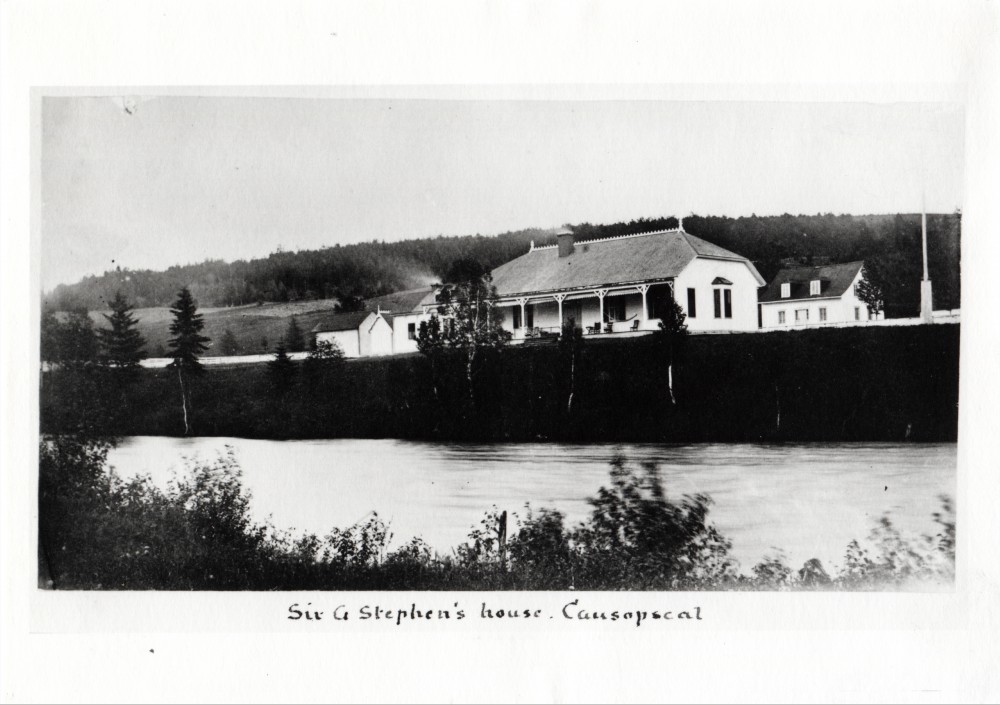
[{"x": 809, "y": 500}]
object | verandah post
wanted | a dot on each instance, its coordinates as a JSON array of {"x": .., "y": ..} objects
[
  {"x": 601, "y": 293},
  {"x": 643, "y": 288},
  {"x": 559, "y": 299}
]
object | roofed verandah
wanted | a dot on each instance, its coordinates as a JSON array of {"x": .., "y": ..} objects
[{"x": 642, "y": 267}]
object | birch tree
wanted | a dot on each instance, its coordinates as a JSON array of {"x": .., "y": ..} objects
[{"x": 467, "y": 322}]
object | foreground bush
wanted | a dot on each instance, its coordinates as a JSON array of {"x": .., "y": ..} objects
[{"x": 97, "y": 531}]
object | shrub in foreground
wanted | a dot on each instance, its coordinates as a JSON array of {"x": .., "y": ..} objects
[{"x": 99, "y": 531}]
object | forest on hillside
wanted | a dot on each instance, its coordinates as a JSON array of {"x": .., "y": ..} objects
[{"x": 889, "y": 244}]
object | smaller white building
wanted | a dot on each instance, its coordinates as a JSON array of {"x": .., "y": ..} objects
[
  {"x": 405, "y": 311},
  {"x": 801, "y": 297},
  {"x": 359, "y": 333}
]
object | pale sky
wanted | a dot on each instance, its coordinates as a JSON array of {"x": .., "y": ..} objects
[{"x": 174, "y": 180}]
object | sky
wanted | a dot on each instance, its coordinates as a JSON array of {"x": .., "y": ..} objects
[{"x": 152, "y": 182}]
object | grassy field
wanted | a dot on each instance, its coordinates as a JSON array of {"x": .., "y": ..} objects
[{"x": 251, "y": 325}]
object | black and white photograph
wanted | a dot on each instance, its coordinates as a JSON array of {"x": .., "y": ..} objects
[
  {"x": 459, "y": 351},
  {"x": 416, "y": 344}
]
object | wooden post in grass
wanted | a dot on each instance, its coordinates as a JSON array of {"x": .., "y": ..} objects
[{"x": 502, "y": 537}]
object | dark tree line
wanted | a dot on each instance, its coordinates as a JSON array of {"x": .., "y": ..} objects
[{"x": 890, "y": 244}]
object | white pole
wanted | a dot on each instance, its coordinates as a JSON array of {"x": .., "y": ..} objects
[
  {"x": 923, "y": 231},
  {"x": 926, "y": 293}
]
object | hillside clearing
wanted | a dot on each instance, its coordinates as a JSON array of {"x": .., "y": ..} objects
[{"x": 257, "y": 329}]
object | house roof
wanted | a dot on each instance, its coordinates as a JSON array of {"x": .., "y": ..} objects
[
  {"x": 341, "y": 321},
  {"x": 632, "y": 258},
  {"x": 835, "y": 279},
  {"x": 402, "y": 301}
]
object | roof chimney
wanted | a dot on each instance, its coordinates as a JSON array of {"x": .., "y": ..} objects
[{"x": 565, "y": 238}]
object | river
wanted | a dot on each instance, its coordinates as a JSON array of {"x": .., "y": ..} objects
[{"x": 809, "y": 500}]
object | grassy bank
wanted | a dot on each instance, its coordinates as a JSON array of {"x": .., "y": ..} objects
[
  {"x": 98, "y": 532},
  {"x": 851, "y": 384}
]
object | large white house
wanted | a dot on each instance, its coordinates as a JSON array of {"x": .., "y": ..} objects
[
  {"x": 622, "y": 284},
  {"x": 615, "y": 285},
  {"x": 814, "y": 296}
]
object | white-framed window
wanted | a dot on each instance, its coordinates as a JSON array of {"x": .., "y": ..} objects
[
  {"x": 857, "y": 313},
  {"x": 786, "y": 290},
  {"x": 822, "y": 313},
  {"x": 723, "y": 300},
  {"x": 814, "y": 287},
  {"x": 781, "y": 317},
  {"x": 411, "y": 331},
  {"x": 801, "y": 315}
]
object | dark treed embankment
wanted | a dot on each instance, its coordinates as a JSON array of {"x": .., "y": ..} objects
[{"x": 874, "y": 384}]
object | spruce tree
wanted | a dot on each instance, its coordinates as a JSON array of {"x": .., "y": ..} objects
[
  {"x": 187, "y": 342},
  {"x": 294, "y": 340},
  {"x": 228, "y": 345},
  {"x": 282, "y": 368},
  {"x": 122, "y": 344}
]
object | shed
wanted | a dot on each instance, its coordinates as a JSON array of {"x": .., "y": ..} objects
[{"x": 358, "y": 333}]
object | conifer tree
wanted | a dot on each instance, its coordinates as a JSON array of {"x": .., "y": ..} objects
[
  {"x": 187, "y": 342},
  {"x": 282, "y": 368},
  {"x": 294, "y": 340},
  {"x": 228, "y": 345},
  {"x": 122, "y": 344}
]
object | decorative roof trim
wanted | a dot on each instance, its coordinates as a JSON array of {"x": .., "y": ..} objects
[{"x": 535, "y": 248}]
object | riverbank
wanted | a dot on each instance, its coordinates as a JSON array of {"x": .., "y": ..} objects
[
  {"x": 810, "y": 499},
  {"x": 872, "y": 384},
  {"x": 98, "y": 530}
]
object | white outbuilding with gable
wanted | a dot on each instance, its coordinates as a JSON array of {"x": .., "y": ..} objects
[{"x": 358, "y": 334}]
